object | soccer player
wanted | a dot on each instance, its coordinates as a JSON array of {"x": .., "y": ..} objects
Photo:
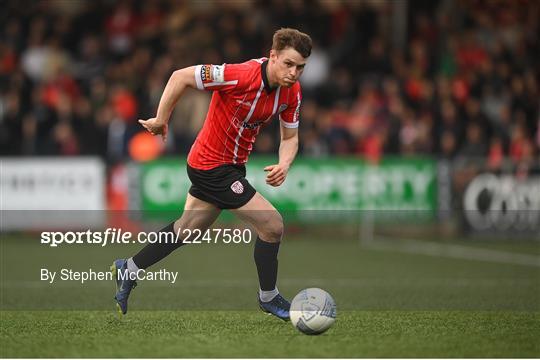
[{"x": 245, "y": 97}]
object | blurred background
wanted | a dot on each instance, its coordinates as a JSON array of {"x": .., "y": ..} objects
[{"x": 447, "y": 89}]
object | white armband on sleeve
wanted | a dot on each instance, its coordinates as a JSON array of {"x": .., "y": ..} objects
[{"x": 198, "y": 78}]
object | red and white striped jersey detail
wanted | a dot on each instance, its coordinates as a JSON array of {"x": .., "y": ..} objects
[{"x": 242, "y": 102}]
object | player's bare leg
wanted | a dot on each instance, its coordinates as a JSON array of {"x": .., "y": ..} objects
[
  {"x": 197, "y": 214},
  {"x": 264, "y": 217},
  {"x": 268, "y": 223}
]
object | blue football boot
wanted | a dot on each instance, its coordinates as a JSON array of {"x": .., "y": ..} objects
[
  {"x": 278, "y": 307},
  {"x": 123, "y": 286}
]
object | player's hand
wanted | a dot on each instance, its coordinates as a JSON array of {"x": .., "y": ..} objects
[
  {"x": 155, "y": 127},
  {"x": 276, "y": 174}
]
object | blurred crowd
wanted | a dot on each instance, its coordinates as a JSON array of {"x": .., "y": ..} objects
[{"x": 461, "y": 83}]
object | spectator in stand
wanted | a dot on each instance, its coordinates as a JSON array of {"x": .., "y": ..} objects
[{"x": 474, "y": 146}]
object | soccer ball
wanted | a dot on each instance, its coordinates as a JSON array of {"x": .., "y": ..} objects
[{"x": 313, "y": 311}]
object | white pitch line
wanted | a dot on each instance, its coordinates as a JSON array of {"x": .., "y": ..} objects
[{"x": 452, "y": 251}]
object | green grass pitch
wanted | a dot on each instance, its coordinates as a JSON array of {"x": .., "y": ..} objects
[
  {"x": 390, "y": 303},
  {"x": 252, "y": 334}
]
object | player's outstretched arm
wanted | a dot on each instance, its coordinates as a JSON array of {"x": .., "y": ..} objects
[
  {"x": 287, "y": 152},
  {"x": 179, "y": 80}
]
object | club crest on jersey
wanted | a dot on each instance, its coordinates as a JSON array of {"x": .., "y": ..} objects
[
  {"x": 282, "y": 108},
  {"x": 237, "y": 187}
]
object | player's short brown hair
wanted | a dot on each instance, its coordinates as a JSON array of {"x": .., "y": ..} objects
[{"x": 286, "y": 37}]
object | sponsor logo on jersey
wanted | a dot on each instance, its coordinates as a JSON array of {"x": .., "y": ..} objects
[
  {"x": 237, "y": 187},
  {"x": 246, "y": 125},
  {"x": 253, "y": 125},
  {"x": 218, "y": 73},
  {"x": 206, "y": 73},
  {"x": 213, "y": 73}
]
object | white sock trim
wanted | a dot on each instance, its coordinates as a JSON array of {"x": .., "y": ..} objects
[
  {"x": 267, "y": 296},
  {"x": 131, "y": 266}
]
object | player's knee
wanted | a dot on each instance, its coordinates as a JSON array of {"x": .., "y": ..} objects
[{"x": 273, "y": 229}]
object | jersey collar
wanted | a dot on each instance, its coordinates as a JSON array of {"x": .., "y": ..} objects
[{"x": 266, "y": 83}]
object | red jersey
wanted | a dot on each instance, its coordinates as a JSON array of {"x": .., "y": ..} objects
[{"x": 241, "y": 103}]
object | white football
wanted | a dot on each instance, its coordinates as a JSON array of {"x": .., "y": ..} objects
[{"x": 313, "y": 311}]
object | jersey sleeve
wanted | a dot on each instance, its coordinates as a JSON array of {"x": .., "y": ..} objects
[
  {"x": 224, "y": 77},
  {"x": 290, "y": 117}
]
